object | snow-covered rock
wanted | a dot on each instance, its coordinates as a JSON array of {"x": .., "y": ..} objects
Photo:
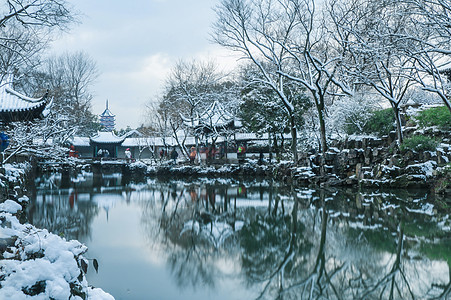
[
  {"x": 10, "y": 206},
  {"x": 37, "y": 264}
]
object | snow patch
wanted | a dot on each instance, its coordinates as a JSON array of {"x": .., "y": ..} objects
[
  {"x": 425, "y": 168},
  {"x": 37, "y": 258},
  {"x": 427, "y": 209},
  {"x": 10, "y": 206}
]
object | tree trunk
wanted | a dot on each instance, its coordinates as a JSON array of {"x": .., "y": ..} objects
[
  {"x": 276, "y": 148},
  {"x": 269, "y": 146},
  {"x": 447, "y": 104},
  {"x": 322, "y": 129},
  {"x": 181, "y": 145},
  {"x": 294, "y": 140},
  {"x": 398, "y": 123}
]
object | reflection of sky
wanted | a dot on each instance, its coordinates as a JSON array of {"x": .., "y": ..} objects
[
  {"x": 107, "y": 201},
  {"x": 133, "y": 250},
  {"x": 130, "y": 269}
]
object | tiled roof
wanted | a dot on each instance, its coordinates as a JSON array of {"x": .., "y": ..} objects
[
  {"x": 107, "y": 113},
  {"x": 80, "y": 141},
  {"x": 214, "y": 117},
  {"x": 106, "y": 137},
  {"x": 12, "y": 101}
]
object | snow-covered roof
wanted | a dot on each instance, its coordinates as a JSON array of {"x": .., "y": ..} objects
[
  {"x": 214, "y": 117},
  {"x": 80, "y": 141},
  {"x": 106, "y": 137},
  {"x": 410, "y": 103},
  {"x": 107, "y": 113},
  {"x": 133, "y": 133},
  {"x": 12, "y": 101}
]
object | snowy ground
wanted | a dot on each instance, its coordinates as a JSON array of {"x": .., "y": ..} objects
[{"x": 36, "y": 264}]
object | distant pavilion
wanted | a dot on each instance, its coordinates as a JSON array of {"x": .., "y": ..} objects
[
  {"x": 215, "y": 121},
  {"x": 106, "y": 141}
]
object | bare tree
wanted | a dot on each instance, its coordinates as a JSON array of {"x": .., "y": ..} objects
[
  {"x": 190, "y": 84},
  {"x": 288, "y": 41},
  {"x": 19, "y": 49},
  {"x": 74, "y": 74},
  {"x": 171, "y": 123},
  {"x": 158, "y": 120},
  {"x": 372, "y": 30},
  {"x": 25, "y": 27},
  {"x": 430, "y": 46},
  {"x": 191, "y": 88},
  {"x": 317, "y": 58},
  {"x": 68, "y": 78},
  {"x": 259, "y": 31},
  {"x": 48, "y": 13}
]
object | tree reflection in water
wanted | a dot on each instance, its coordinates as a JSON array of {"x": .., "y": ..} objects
[
  {"x": 281, "y": 242},
  {"x": 299, "y": 244},
  {"x": 63, "y": 213},
  {"x": 197, "y": 226}
]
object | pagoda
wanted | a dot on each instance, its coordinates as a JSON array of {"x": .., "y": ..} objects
[
  {"x": 107, "y": 119},
  {"x": 15, "y": 106}
]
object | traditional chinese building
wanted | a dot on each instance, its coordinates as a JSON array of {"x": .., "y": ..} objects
[
  {"x": 107, "y": 119},
  {"x": 15, "y": 106},
  {"x": 106, "y": 144},
  {"x": 214, "y": 122}
]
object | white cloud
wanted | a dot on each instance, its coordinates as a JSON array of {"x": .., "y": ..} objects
[
  {"x": 129, "y": 89},
  {"x": 135, "y": 45}
]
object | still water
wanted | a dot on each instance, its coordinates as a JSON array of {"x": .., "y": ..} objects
[{"x": 231, "y": 239}]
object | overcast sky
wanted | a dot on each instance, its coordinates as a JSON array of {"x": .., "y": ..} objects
[{"x": 135, "y": 43}]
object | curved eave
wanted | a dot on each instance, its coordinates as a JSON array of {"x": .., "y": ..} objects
[
  {"x": 106, "y": 142},
  {"x": 23, "y": 114},
  {"x": 107, "y": 114},
  {"x": 25, "y": 98},
  {"x": 106, "y": 138},
  {"x": 25, "y": 109}
]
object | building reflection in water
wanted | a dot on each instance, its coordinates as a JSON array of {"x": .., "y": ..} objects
[{"x": 278, "y": 241}]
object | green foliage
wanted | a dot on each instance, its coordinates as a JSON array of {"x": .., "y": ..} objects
[
  {"x": 379, "y": 239},
  {"x": 420, "y": 227},
  {"x": 381, "y": 122},
  {"x": 438, "y": 251},
  {"x": 261, "y": 109},
  {"x": 419, "y": 143},
  {"x": 436, "y": 116},
  {"x": 447, "y": 170}
]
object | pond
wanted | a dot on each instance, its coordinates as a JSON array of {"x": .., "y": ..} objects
[{"x": 232, "y": 239}]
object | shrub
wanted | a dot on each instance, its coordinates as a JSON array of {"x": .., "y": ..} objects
[
  {"x": 381, "y": 122},
  {"x": 436, "y": 116},
  {"x": 444, "y": 182},
  {"x": 419, "y": 143}
]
